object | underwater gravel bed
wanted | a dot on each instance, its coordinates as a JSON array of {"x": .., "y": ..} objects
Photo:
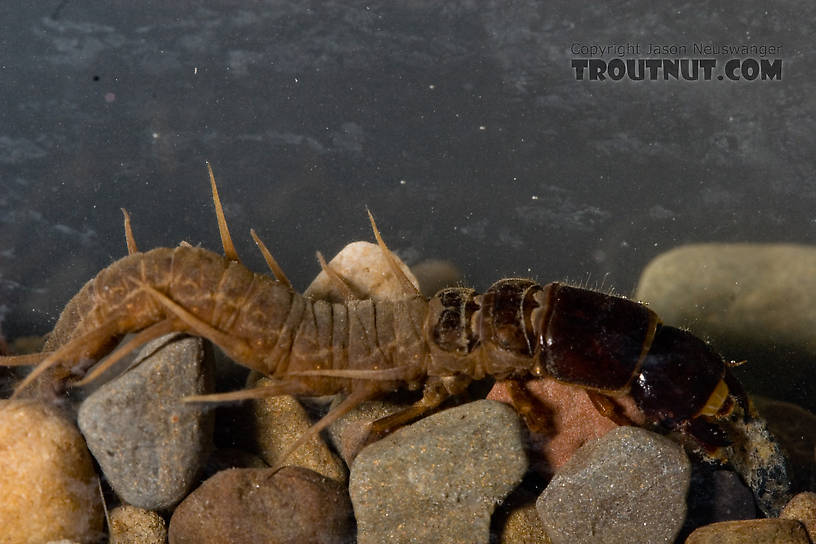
[{"x": 471, "y": 473}]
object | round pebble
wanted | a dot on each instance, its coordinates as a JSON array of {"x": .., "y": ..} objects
[
  {"x": 751, "y": 531},
  {"x": 802, "y": 507},
  {"x": 523, "y": 526},
  {"x": 439, "y": 479},
  {"x": 628, "y": 486},
  {"x": 247, "y": 506},
  {"x": 49, "y": 488},
  {"x": 367, "y": 273},
  {"x": 278, "y": 423},
  {"x": 149, "y": 443},
  {"x": 131, "y": 525}
]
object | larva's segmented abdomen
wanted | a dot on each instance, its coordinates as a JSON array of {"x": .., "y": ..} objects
[
  {"x": 364, "y": 335},
  {"x": 259, "y": 322}
]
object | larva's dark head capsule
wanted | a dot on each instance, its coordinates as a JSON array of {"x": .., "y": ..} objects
[
  {"x": 682, "y": 384},
  {"x": 448, "y": 331}
]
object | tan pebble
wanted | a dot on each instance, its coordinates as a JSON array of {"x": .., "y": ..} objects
[
  {"x": 362, "y": 266},
  {"x": 281, "y": 420},
  {"x": 751, "y": 531},
  {"x": 131, "y": 525},
  {"x": 50, "y": 489},
  {"x": 523, "y": 526},
  {"x": 802, "y": 507}
]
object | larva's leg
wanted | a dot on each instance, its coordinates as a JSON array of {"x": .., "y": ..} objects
[
  {"x": 273, "y": 390},
  {"x": 29, "y": 359},
  {"x": 608, "y": 408},
  {"x": 433, "y": 395},
  {"x": 151, "y": 333},
  {"x": 535, "y": 415},
  {"x": 91, "y": 345}
]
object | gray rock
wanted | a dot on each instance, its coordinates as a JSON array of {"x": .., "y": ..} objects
[
  {"x": 439, "y": 479},
  {"x": 628, "y": 486},
  {"x": 148, "y": 442}
]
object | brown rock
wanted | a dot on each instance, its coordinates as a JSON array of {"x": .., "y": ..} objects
[
  {"x": 751, "y": 531},
  {"x": 131, "y": 525},
  {"x": 292, "y": 505},
  {"x": 802, "y": 508},
  {"x": 571, "y": 418},
  {"x": 224, "y": 458},
  {"x": 49, "y": 487}
]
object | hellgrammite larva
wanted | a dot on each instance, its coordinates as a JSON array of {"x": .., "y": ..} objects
[{"x": 517, "y": 330}]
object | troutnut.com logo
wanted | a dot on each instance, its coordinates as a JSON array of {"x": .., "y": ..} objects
[{"x": 695, "y": 62}]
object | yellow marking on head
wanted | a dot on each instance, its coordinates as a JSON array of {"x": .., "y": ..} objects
[{"x": 715, "y": 400}]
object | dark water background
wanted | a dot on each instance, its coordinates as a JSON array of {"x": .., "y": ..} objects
[{"x": 459, "y": 124}]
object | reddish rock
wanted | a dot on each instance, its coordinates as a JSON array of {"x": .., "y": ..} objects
[
  {"x": 572, "y": 420},
  {"x": 247, "y": 505}
]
